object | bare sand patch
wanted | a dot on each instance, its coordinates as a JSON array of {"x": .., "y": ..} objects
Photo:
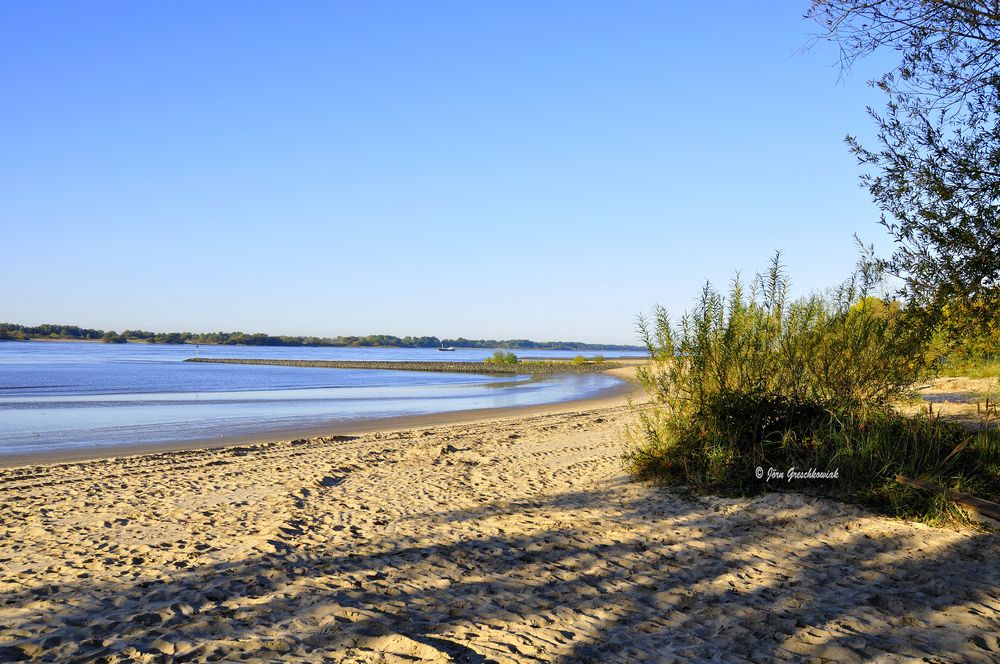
[{"x": 972, "y": 402}]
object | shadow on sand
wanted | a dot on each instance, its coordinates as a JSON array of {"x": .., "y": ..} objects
[{"x": 708, "y": 586}]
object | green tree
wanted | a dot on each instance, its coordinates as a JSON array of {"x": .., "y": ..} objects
[
  {"x": 935, "y": 171},
  {"x": 113, "y": 338}
]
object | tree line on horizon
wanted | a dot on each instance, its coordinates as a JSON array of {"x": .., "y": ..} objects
[{"x": 13, "y": 331}]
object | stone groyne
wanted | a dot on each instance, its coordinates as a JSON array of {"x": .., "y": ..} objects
[{"x": 521, "y": 368}]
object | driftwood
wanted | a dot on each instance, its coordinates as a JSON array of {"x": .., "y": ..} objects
[{"x": 984, "y": 507}]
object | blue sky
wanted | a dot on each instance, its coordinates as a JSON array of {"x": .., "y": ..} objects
[{"x": 533, "y": 170}]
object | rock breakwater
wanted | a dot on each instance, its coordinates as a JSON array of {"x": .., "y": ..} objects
[{"x": 532, "y": 368}]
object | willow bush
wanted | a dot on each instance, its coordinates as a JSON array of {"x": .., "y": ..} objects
[
  {"x": 753, "y": 378},
  {"x": 501, "y": 357},
  {"x": 845, "y": 349}
]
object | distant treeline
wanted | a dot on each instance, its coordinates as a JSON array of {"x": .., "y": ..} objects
[{"x": 10, "y": 331}]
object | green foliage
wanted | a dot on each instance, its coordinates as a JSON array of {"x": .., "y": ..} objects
[
  {"x": 846, "y": 350},
  {"x": 970, "y": 367},
  {"x": 755, "y": 379},
  {"x": 935, "y": 171},
  {"x": 502, "y": 357},
  {"x": 596, "y": 359},
  {"x": 967, "y": 342},
  {"x": 11, "y": 333}
]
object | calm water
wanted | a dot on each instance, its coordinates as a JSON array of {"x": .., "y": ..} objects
[{"x": 65, "y": 395}]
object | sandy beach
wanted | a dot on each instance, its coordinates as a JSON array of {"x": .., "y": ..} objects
[{"x": 510, "y": 539}]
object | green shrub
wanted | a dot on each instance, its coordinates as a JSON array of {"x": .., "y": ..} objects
[
  {"x": 846, "y": 350},
  {"x": 502, "y": 357},
  {"x": 596, "y": 359},
  {"x": 756, "y": 379}
]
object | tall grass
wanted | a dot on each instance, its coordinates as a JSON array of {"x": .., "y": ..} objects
[{"x": 754, "y": 379}]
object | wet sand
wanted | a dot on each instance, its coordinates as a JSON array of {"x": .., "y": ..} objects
[{"x": 512, "y": 539}]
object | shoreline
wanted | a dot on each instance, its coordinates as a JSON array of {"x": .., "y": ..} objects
[{"x": 626, "y": 390}]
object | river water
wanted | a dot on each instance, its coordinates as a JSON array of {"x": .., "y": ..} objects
[{"x": 58, "y": 396}]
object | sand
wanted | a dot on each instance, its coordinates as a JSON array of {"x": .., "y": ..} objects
[
  {"x": 972, "y": 402},
  {"x": 513, "y": 539}
]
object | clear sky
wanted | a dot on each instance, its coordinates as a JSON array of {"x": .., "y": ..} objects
[{"x": 477, "y": 169}]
